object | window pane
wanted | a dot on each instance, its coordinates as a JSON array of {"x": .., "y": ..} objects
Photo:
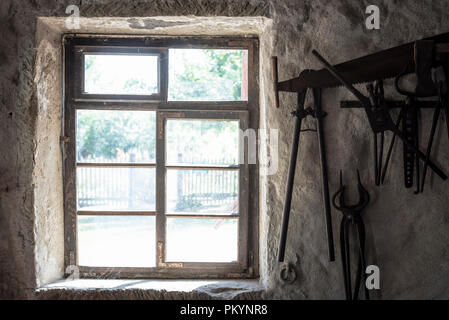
[
  {"x": 112, "y": 241},
  {"x": 110, "y": 189},
  {"x": 202, "y": 192},
  {"x": 115, "y": 136},
  {"x": 202, "y": 142},
  {"x": 202, "y": 240},
  {"x": 120, "y": 74},
  {"x": 207, "y": 75}
]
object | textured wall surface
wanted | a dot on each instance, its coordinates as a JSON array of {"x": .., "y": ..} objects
[{"x": 407, "y": 234}]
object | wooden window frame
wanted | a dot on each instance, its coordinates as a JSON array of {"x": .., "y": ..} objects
[{"x": 246, "y": 112}]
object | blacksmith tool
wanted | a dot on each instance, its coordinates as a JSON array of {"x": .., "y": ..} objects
[
  {"x": 301, "y": 113},
  {"x": 378, "y": 66},
  {"x": 442, "y": 94},
  {"x": 446, "y": 110},
  {"x": 377, "y": 95},
  {"x": 352, "y": 217},
  {"x": 390, "y": 148},
  {"x": 425, "y": 87},
  {"x": 445, "y": 66},
  {"x": 410, "y": 128},
  {"x": 408, "y": 116},
  {"x": 378, "y": 115}
]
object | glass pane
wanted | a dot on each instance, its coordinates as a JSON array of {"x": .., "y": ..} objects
[
  {"x": 115, "y": 136},
  {"x": 120, "y": 74},
  {"x": 111, "y": 241},
  {"x": 202, "y": 142},
  {"x": 202, "y": 192},
  {"x": 202, "y": 240},
  {"x": 208, "y": 75},
  {"x": 111, "y": 189}
]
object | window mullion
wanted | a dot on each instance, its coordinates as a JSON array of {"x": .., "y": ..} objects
[
  {"x": 160, "y": 190},
  {"x": 243, "y": 200},
  {"x": 163, "y": 74}
]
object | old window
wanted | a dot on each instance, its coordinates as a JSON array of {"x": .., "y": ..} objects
[{"x": 153, "y": 177}]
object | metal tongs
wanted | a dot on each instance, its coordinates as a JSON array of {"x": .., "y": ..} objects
[
  {"x": 379, "y": 118},
  {"x": 300, "y": 114},
  {"x": 352, "y": 217}
]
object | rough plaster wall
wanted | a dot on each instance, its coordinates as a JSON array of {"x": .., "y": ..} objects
[
  {"x": 410, "y": 247},
  {"x": 47, "y": 175}
]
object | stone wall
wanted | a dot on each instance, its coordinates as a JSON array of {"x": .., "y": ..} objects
[{"x": 407, "y": 234}]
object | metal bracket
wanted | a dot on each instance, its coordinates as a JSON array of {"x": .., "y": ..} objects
[
  {"x": 288, "y": 273},
  {"x": 304, "y": 113},
  {"x": 390, "y": 104}
]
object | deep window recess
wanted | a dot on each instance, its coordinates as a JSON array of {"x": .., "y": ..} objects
[{"x": 153, "y": 182}]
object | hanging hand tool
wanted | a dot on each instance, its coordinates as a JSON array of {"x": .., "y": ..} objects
[
  {"x": 416, "y": 57},
  {"x": 352, "y": 216},
  {"x": 301, "y": 113},
  {"x": 425, "y": 87},
  {"x": 446, "y": 110},
  {"x": 390, "y": 148},
  {"x": 382, "y": 65},
  {"x": 445, "y": 105},
  {"x": 408, "y": 116},
  {"x": 378, "y": 116},
  {"x": 411, "y": 134},
  {"x": 442, "y": 94},
  {"x": 377, "y": 95}
]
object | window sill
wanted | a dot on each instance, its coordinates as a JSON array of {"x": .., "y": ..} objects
[{"x": 151, "y": 289}]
